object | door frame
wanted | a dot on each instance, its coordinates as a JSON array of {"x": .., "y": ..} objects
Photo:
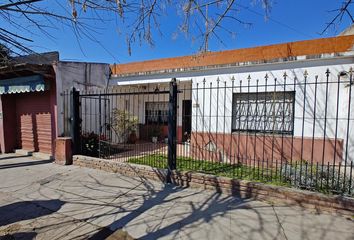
[{"x": 186, "y": 116}]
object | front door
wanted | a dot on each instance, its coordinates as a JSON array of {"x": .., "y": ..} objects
[{"x": 186, "y": 119}]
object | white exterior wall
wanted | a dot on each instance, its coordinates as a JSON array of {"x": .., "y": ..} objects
[
  {"x": 132, "y": 103},
  {"x": 219, "y": 108},
  {"x": 217, "y": 104},
  {"x": 201, "y": 99},
  {"x": 138, "y": 102}
]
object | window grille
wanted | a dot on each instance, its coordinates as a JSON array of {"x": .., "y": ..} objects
[
  {"x": 156, "y": 113},
  {"x": 267, "y": 112}
]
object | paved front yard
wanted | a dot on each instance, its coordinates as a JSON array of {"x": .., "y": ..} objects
[{"x": 42, "y": 200}]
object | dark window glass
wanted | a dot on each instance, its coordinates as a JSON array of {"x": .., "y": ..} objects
[{"x": 156, "y": 113}]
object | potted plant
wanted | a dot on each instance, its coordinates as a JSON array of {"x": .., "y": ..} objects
[
  {"x": 187, "y": 142},
  {"x": 124, "y": 124},
  {"x": 154, "y": 133},
  {"x": 132, "y": 137},
  {"x": 90, "y": 144}
]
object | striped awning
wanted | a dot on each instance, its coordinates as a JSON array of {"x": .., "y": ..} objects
[{"x": 34, "y": 83}]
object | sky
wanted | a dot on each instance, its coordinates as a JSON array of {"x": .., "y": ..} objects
[{"x": 289, "y": 20}]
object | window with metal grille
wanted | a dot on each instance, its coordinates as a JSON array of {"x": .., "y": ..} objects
[
  {"x": 156, "y": 113},
  {"x": 265, "y": 112}
]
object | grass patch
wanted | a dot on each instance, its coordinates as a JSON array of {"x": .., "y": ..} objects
[
  {"x": 325, "y": 180},
  {"x": 237, "y": 171}
]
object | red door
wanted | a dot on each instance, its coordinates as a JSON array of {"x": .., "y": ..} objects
[{"x": 34, "y": 119}]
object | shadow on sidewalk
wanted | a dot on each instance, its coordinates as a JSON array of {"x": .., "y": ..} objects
[
  {"x": 212, "y": 206},
  {"x": 19, "y": 235},
  {"x": 27, "y": 210},
  {"x": 24, "y": 164},
  {"x": 10, "y": 156},
  {"x": 171, "y": 211}
]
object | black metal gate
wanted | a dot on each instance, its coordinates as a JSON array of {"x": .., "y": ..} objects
[
  {"x": 129, "y": 125},
  {"x": 94, "y": 124}
]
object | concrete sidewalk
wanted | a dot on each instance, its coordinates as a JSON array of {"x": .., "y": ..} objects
[{"x": 42, "y": 200}]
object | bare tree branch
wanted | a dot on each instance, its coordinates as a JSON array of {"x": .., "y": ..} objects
[
  {"x": 12, "y": 4},
  {"x": 341, "y": 12},
  {"x": 140, "y": 19}
]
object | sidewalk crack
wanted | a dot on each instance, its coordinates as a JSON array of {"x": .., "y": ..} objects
[{"x": 279, "y": 222}]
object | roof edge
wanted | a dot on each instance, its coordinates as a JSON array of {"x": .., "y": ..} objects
[{"x": 309, "y": 49}]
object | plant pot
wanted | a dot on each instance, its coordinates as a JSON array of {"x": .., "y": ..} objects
[
  {"x": 154, "y": 139},
  {"x": 132, "y": 138},
  {"x": 186, "y": 147}
]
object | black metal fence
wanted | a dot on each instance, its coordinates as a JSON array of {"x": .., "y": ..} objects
[
  {"x": 294, "y": 131},
  {"x": 119, "y": 123}
]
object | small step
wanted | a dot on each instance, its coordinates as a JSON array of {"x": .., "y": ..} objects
[
  {"x": 23, "y": 152},
  {"x": 42, "y": 156}
]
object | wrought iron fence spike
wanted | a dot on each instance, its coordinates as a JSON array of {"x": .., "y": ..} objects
[{"x": 327, "y": 72}]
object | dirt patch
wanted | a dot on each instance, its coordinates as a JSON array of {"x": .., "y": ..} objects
[
  {"x": 7, "y": 232},
  {"x": 120, "y": 235},
  {"x": 10, "y": 229}
]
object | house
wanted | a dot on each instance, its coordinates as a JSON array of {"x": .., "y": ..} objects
[
  {"x": 288, "y": 101},
  {"x": 30, "y": 101}
]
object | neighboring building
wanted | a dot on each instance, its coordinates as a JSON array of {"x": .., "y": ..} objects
[
  {"x": 347, "y": 31},
  {"x": 30, "y": 100},
  {"x": 217, "y": 112}
]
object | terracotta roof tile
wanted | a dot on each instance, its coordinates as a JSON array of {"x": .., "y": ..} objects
[{"x": 256, "y": 54}]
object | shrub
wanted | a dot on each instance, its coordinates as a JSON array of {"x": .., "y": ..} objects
[
  {"x": 322, "y": 178},
  {"x": 123, "y": 124},
  {"x": 154, "y": 131},
  {"x": 90, "y": 144}
]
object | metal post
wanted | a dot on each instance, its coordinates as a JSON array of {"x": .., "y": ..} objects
[
  {"x": 172, "y": 124},
  {"x": 99, "y": 124},
  {"x": 75, "y": 120}
]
